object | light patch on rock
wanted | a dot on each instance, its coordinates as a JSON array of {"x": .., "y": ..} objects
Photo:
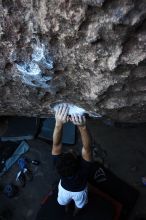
[
  {"x": 40, "y": 56},
  {"x": 98, "y": 3},
  {"x": 1, "y": 31},
  {"x": 74, "y": 109},
  {"x": 97, "y": 87},
  {"x": 112, "y": 61},
  {"x": 93, "y": 33},
  {"x": 32, "y": 70},
  {"x": 42, "y": 13}
]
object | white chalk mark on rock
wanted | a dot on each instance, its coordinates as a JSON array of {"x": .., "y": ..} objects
[
  {"x": 29, "y": 68},
  {"x": 32, "y": 70},
  {"x": 74, "y": 109},
  {"x": 42, "y": 58}
]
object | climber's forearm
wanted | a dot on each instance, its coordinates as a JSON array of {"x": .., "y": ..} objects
[{"x": 57, "y": 136}]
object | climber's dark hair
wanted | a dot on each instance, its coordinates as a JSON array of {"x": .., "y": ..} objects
[{"x": 67, "y": 165}]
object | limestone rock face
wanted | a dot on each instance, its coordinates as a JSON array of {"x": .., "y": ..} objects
[{"x": 91, "y": 53}]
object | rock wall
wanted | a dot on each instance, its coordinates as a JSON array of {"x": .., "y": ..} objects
[{"x": 98, "y": 54}]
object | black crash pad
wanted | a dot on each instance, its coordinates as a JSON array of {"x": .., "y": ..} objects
[
  {"x": 107, "y": 182},
  {"x": 47, "y": 127},
  {"x": 97, "y": 208},
  {"x": 20, "y": 128}
]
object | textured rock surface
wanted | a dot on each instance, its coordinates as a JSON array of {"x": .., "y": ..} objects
[{"x": 99, "y": 53}]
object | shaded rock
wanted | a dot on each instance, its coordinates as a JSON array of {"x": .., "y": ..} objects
[
  {"x": 98, "y": 3},
  {"x": 98, "y": 54}
]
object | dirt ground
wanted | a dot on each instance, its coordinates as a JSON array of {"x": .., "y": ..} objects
[{"x": 121, "y": 148}]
